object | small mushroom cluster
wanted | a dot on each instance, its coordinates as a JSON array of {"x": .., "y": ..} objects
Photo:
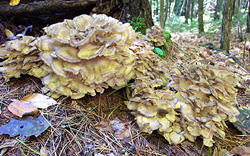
[
  {"x": 147, "y": 63},
  {"x": 155, "y": 36},
  {"x": 199, "y": 101},
  {"x": 80, "y": 56}
]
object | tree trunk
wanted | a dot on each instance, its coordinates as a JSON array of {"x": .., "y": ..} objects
[
  {"x": 187, "y": 11},
  {"x": 238, "y": 12},
  {"x": 200, "y": 17},
  {"x": 157, "y": 8},
  {"x": 172, "y": 10},
  {"x": 226, "y": 24},
  {"x": 217, "y": 10},
  {"x": 166, "y": 12},
  {"x": 162, "y": 14},
  {"x": 169, "y": 7},
  {"x": 192, "y": 10},
  {"x": 248, "y": 18}
]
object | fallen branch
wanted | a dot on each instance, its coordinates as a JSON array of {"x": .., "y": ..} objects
[{"x": 47, "y": 7}]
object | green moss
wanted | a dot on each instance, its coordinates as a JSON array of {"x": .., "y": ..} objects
[{"x": 138, "y": 24}]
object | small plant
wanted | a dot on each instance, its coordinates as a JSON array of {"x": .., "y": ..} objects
[
  {"x": 168, "y": 35},
  {"x": 138, "y": 24}
]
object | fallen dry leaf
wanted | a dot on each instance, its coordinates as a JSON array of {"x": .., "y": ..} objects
[
  {"x": 241, "y": 150},
  {"x": 120, "y": 129},
  {"x": 44, "y": 151},
  {"x": 39, "y": 100},
  {"x": 26, "y": 127},
  {"x": 9, "y": 34},
  {"x": 20, "y": 108},
  {"x": 14, "y": 2}
]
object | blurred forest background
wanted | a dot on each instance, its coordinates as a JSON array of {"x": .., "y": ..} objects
[{"x": 204, "y": 17}]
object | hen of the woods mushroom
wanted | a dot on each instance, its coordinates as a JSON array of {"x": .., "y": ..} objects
[
  {"x": 197, "y": 102},
  {"x": 75, "y": 57},
  {"x": 90, "y": 53}
]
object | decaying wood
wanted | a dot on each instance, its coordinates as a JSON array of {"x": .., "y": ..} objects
[{"x": 46, "y": 7}]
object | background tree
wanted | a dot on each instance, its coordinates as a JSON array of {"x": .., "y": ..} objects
[
  {"x": 167, "y": 8},
  {"x": 162, "y": 12},
  {"x": 226, "y": 24},
  {"x": 200, "y": 17},
  {"x": 248, "y": 18},
  {"x": 192, "y": 10},
  {"x": 217, "y": 9},
  {"x": 187, "y": 12},
  {"x": 238, "y": 14}
]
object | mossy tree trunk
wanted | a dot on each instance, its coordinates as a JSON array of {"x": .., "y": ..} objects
[
  {"x": 226, "y": 24},
  {"x": 200, "y": 17}
]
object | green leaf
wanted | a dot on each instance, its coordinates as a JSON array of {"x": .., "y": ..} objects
[{"x": 159, "y": 52}]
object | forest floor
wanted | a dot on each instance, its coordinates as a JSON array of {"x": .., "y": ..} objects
[{"x": 102, "y": 125}]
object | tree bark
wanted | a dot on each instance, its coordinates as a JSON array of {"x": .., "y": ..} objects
[
  {"x": 162, "y": 14},
  {"x": 238, "y": 12},
  {"x": 226, "y": 24},
  {"x": 187, "y": 11},
  {"x": 200, "y": 17}
]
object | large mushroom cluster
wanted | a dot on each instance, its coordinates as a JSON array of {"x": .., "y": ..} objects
[
  {"x": 90, "y": 53},
  {"x": 197, "y": 102},
  {"x": 75, "y": 57}
]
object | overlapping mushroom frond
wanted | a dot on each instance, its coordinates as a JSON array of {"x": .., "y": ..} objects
[
  {"x": 199, "y": 101},
  {"x": 75, "y": 57}
]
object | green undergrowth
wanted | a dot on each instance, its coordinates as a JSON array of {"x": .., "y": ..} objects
[{"x": 138, "y": 24}]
